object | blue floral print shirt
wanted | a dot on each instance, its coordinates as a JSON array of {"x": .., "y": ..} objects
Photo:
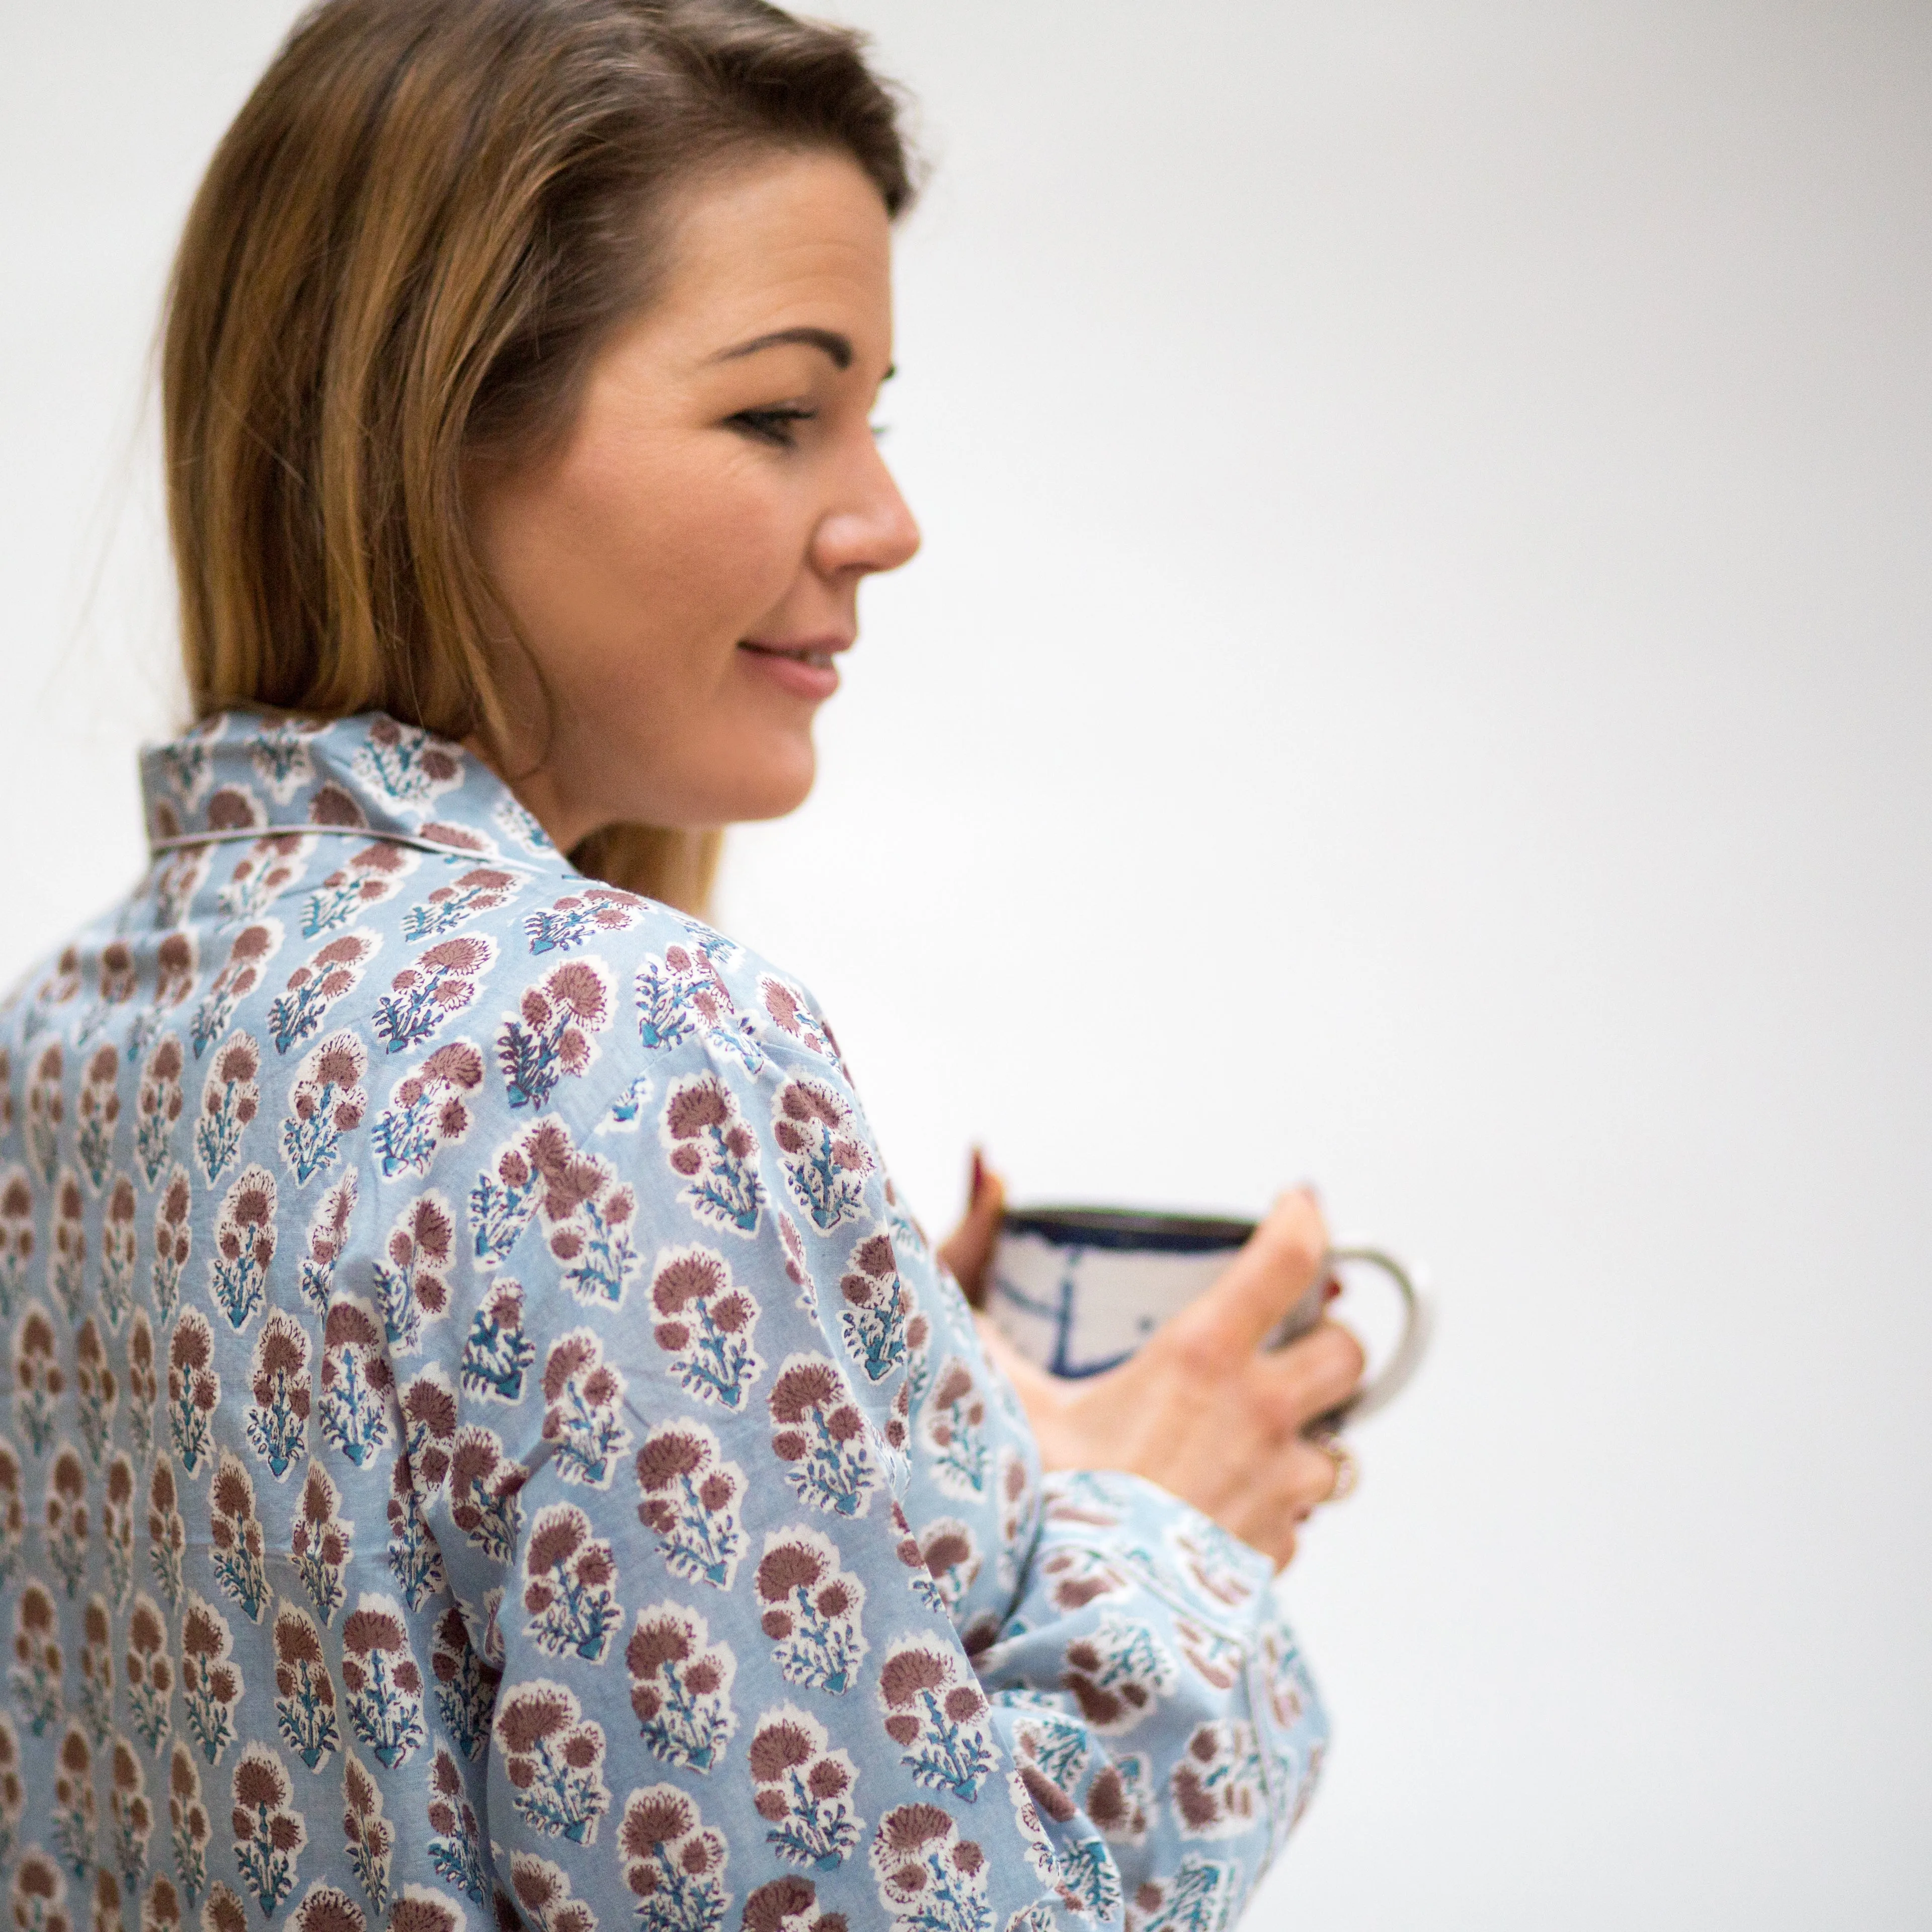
[{"x": 485, "y": 1440}]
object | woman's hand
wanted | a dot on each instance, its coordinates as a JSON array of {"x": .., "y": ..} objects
[{"x": 1199, "y": 1409}]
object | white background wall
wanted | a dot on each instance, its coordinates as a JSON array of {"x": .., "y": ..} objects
[{"x": 1419, "y": 677}]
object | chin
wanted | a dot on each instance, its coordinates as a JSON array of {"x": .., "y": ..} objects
[{"x": 776, "y": 780}]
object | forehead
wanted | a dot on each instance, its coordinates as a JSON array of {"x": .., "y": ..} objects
[{"x": 784, "y": 241}]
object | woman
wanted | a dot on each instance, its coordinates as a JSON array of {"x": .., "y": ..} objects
[{"x": 496, "y": 1442}]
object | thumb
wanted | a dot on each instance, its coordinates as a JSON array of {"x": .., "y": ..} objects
[
  {"x": 969, "y": 1248},
  {"x": 1276, "y": 1266}
]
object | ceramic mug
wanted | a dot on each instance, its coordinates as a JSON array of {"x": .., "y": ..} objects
[{"x": 1077, "y": 1290}]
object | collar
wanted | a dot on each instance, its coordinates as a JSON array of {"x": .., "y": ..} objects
[{"x": 239, "y": 776}]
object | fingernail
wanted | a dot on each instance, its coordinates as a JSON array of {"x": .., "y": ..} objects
[
  {"x": 979, "y": 1174},
  {"x": 1331, "y": 1289}
]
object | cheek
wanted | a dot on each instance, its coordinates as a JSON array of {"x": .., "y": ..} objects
[
  {"x": 634, "y": 570},
  {"x": 684, "y": 557}
]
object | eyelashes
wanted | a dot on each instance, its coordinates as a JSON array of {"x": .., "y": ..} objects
[{"x": 778, "y": 425}]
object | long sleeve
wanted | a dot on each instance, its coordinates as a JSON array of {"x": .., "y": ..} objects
[
  {"x": 778, "y": 1499},
  {"x": 1154, "y": 1703}
]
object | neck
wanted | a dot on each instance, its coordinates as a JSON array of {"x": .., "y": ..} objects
[{"x": 565, "y": 823}]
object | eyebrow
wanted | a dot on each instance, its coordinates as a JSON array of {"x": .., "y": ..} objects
[{"x": 839, "y": 347}]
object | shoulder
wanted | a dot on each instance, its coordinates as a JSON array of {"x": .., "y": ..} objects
[
  {"x": 493, "y": 995},
  {"x": 600, "y": 968},
  {"x": 437, "y": 939}
]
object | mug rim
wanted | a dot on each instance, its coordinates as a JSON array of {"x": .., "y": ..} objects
[{"x": 1129, "y": 1229}]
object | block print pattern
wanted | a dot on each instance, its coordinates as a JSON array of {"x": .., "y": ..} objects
[{"x": 464, "y": 1342}]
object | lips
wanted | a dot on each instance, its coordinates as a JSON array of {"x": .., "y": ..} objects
[{"x": 805, "y": 669}]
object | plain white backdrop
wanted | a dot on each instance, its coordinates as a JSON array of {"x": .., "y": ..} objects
[{"x": 1419, "y": 676}]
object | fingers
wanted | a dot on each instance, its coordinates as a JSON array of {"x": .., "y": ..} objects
[
  {"x": 969, "y": 1248},
  {"x": 1314, "y": 1475},
  {"x": 1279, "y": 1265},
  {"x": 1309, "y": 1377},
  {"x": 1304, "y": 1476}
]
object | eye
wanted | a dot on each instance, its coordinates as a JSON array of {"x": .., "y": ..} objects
[{"x": 776, "y": 425}]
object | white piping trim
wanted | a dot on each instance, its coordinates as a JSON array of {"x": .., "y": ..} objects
[{"x": 365, "y": 832}]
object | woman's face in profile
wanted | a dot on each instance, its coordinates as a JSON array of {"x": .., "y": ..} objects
[{"x": 685, "y": 565}]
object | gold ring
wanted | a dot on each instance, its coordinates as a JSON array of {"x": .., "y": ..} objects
[{"x": 1347, "y": 1471}]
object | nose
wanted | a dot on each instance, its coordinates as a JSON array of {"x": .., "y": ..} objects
[{"x": 872, "y": 529}]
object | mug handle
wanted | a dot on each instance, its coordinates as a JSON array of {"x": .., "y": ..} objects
[{"x": 1402, "y": 1365}]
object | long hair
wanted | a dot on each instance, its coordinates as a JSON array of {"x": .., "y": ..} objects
[{"x": 407, "y": 248}]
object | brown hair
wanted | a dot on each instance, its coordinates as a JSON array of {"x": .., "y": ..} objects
[{"x": 420, "y": 227}]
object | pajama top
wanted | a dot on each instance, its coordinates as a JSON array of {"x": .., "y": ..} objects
[{"x": 484, "y": 1445}]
